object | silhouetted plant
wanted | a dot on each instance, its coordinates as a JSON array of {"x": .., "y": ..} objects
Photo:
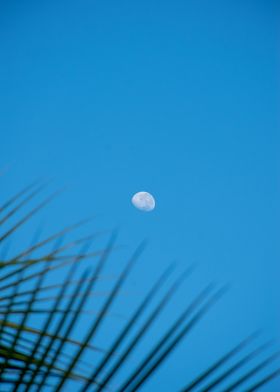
[{"x": 48, "y": 357}]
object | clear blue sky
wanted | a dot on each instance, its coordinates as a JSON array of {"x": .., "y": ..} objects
[{"x": 179, "y": 98}]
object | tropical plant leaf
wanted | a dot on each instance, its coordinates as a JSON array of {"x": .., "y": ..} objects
[
  {"x": 119, "y": 340},
  {"x": 153, "y": 316},
  {"x": 218, "y": 364},
  {"x": 252, "y": 372},
  {"x": 35, "y": 358},
  {"x": 27, "y": 217},
  {"x": 270, "y": 377},
  {"x": 242, "y": 362},
  {"x": 92, "y": 331},
  {"x": 17, "y": 196}
]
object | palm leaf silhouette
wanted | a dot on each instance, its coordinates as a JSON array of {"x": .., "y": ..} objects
[{"x": 49, "y": 357}]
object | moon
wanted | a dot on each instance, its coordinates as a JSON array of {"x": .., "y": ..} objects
[{"x": 144, "y": 201}]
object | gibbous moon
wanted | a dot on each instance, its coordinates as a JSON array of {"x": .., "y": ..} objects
[{"x": 144, "y": 201}]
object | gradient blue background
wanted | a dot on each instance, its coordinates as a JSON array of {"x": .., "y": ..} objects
[{"x": 180, "y": 98}]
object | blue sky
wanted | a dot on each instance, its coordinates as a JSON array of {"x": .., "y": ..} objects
[{"x": 179, "y": 98}]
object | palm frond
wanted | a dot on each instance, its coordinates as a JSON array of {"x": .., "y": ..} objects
[
  {"x": 220, "y": 362},
  {"x": 35, "y": 358}
]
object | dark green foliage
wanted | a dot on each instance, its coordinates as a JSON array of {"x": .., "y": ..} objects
[{"x": 48, "y": 356}]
